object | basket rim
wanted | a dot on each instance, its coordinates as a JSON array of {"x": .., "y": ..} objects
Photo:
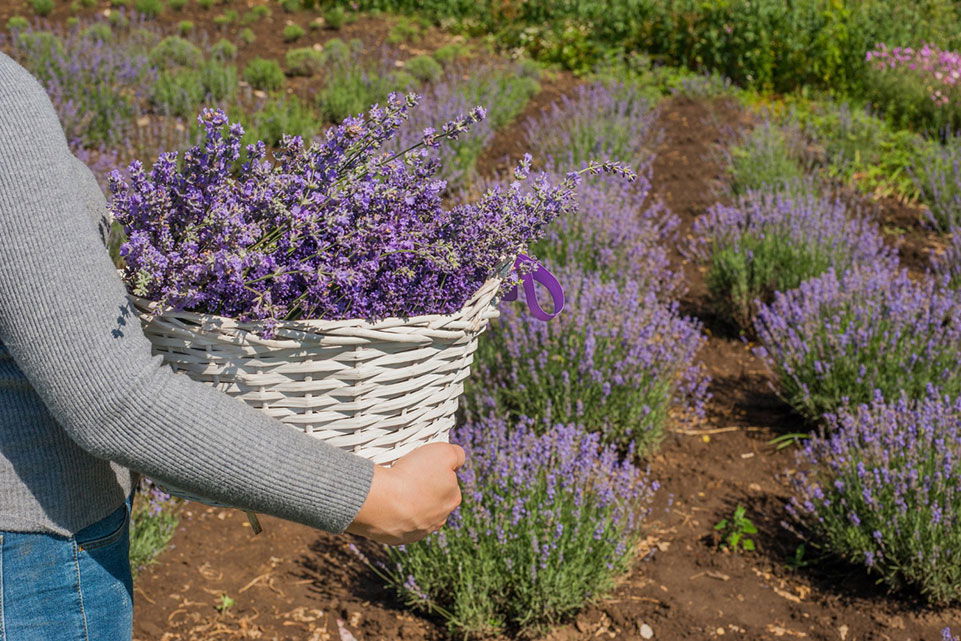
[{"x": 315, "y": 325}]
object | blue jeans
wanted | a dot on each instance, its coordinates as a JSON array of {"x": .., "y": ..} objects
[{"x": 79, "y": 588}]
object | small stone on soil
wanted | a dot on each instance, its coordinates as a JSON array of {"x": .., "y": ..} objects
[{"x": 645, "y": 631}]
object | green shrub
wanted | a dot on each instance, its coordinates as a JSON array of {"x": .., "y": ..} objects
[
  {"x": 42, "y": 46},
  {"x": 17, "y": 23},
  {"x": 264, "y": 74},
  {"x": 335, "y": 17},
  {"x": 206, "y": 5},
  {"x": 42, "y": 7},
  {"x": 72, "y": 21},
  {"x": 338, "y": 52},
  {"x": 424, "y": 68},
  {"x": 451, "y": 52},
  {"x": 118, "y": 20},
  {"x": 177, "y": 5},
  {"x": 293, "y": 32},
  {"x": 223, "y": 49},
  {"x": 304, "y": 61},
  {"x": 291, "y": 6},
  {"x": 219, "y": 80},
  {"x": 938, "y": 181},
  {"x": 282, "y": 115},
  {"x": 120, "y": 3},
  {"x": 150, "y": 8},
  {"x": 256, "y": 14},
  {"x": 174, "y": 51},
  {"x": 247, "y": 36},
  {"x": 185, "y": 27},
  {"x": 765, "y": 159},
  {"x": 350, "y": 89},
  {"x": 98, "y": 31},
  {"x": 88, "y": 4},
  {"x": 857, "y": 148},
  {"x": 178, "y": 92},
  {"x": 404, "y": 30}
]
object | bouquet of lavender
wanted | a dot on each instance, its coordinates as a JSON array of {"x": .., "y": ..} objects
[{"x": 335, "y": 229}]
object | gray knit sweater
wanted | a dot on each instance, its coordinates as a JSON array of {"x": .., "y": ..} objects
[{"x": 82, "y": 401}]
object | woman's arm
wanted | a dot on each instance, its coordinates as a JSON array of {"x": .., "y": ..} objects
[{"x": 65, "y": 319}]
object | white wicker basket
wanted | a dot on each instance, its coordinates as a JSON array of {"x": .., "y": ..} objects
[{"x": 378, "y": 390}]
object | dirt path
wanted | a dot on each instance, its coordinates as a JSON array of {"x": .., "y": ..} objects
[{"x": 294, "y": 583}]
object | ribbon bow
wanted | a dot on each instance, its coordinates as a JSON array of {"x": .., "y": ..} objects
[{"x": 540, "y": 275}]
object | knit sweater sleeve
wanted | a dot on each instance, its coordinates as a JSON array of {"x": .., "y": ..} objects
[{"x": 65, "y": 319}]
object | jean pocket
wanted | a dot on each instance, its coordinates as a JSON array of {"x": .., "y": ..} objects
[{"x": 105, "y": 531}]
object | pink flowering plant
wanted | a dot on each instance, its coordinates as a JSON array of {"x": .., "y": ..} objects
[
  {"x": 917, "y": 88},
  {"x": 336, "y": 229}
]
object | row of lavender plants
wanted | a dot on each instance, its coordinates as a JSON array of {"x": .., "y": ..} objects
[
  {"x": 560, "y": 415},
  {"x": 869, "y": 353}
]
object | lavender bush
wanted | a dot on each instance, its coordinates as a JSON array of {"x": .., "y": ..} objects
[
  {"x": 767, "y": 158},
  {"x": 836, "y": 339},
  {"x": 938, "y": 181},
  {"x": 502, "y": 92},
  {"x": 600, "y": 120},
  {"x": 883, "y": 489},
  {"x": 766, "y": 243},
  {"x": 546, "y": 525},
  {"x": 617, "y": 360},
  {"x": 622, "y": 233},
  {"x": 336, "y": 229}
]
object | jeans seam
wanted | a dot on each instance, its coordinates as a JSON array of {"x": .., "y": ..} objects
[{"x": 83, "y": 613}]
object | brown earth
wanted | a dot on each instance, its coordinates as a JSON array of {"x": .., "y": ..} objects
[{"x": 295, "y": 583}]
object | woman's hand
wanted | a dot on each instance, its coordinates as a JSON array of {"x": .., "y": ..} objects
[{"x": 413, "y": 497}]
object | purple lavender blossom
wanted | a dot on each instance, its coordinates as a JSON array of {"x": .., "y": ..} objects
[
  {"x": 617, "y": 360},
  {"x": 608, "y": 121},
  {"x": 836, "y": 339},
  {"x": 503, "y": 92},
  {"x": 337, "y": 229},
  {"x": 538, "y": 511},
  {"x": 772, "y": 242},
  {"x": 897, "y": 507}
]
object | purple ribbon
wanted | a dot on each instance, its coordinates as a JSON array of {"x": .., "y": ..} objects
[{"x": 545, "y": 278}]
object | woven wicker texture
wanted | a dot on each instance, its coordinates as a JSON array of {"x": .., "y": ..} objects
[{"x": 378, "y": 389}]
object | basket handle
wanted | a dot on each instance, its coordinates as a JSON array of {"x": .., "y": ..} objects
[{"x": 541, "y": 275}]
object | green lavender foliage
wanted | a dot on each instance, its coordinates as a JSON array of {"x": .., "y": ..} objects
[
  {"x": 303, "y": 61},
  {"x": 766, "y": 158},
  {"x": 424, "y": 68},
  {"x": 264, "y": 74},
  {"x": 293, "y": 32},
  {"x": 42, "y": 7},
  {"x": 175, "y": 51}
]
